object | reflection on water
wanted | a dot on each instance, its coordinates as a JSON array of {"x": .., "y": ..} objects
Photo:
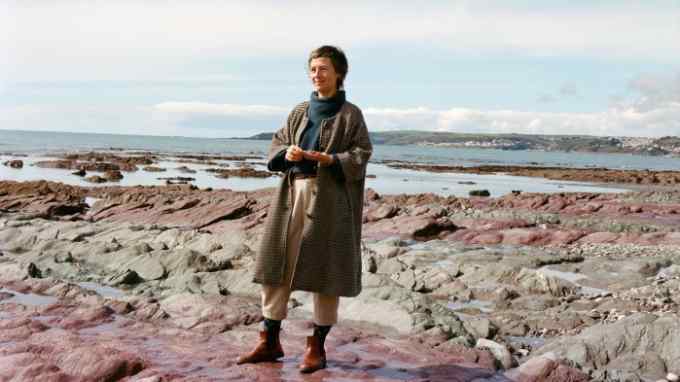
[
  {"x": 102, "y": 290},
  {"x": 387, "y": 180},
  {"x": 27, "y": 298}
]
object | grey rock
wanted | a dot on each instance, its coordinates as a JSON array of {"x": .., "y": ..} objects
[
  {"x": 499, "y": 351},
  {"x": 433, "y": 278},
  {"x": 142, "y": 248},
  {"x": 481, "y": 328},
  {"x": 514, "y": 328},
  {"x": 534, "y": 302},
  {"x": 127, "y": 277},
  {"x": 384, "y": 212},
  {"x": 388, "y": 251},
  {"x": 407, "y": 279},
  {"x": 537, "y": 282},
  {"x": 391, "y": 266},
  {"x": 669, "y": 272},
  {"x": 398, "y": 308},
  {"x": 147, "y": 267},
  {"x": 504, "y": 294},
  {"x": 369, "y": 264},
  {"x": 618, "y": 346},
  {"x": 33, "y": 271},
  {"x": 64, "y": 257},
  {"x": 479, "y": 193}
]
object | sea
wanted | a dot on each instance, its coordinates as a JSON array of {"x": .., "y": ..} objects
[{"x": 32, "y": 146}]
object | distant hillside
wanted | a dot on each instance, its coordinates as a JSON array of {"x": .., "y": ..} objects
[
  {"x": 261, "y": 137},
  {"x": 580, "y": 143}
]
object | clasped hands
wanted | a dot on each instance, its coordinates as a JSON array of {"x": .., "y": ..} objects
[{"x": 295, "y": 154}]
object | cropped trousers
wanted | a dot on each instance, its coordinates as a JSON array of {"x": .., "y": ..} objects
[{"x": 275, "y": 297}]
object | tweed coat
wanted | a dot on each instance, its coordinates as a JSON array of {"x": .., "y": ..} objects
[{"x": 329, "y": 261}]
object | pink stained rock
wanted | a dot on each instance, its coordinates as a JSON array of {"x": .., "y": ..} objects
[
  {"x": 98, "y": 363},
  {"x": 523, "y": 236},
  {"x": 491, "y": 224},
  {"x": 545, "y": 368},
  {"x": 411, "y": 227},
  {"x": 199, "y": 338},
  {"x": 564, "y": 237},
  {"x": 486, "y": 238},
  {"x": 600, "y": 237}
]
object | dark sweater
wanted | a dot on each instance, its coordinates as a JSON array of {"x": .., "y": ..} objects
[{"x": 319, "y": 109}]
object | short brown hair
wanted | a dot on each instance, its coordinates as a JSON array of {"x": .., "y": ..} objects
[{"x": 337, "y": 57}]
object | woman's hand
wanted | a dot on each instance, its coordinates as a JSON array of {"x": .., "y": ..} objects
[
  {"x": 294, "y": 153},
  {"x": 323, "y": 158}
]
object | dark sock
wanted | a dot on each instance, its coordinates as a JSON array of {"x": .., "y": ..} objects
[
  {"x": 321, "y": 332},
  {"x": 272, "y": 327}
]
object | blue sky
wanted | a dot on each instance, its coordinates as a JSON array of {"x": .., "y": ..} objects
[{"x": 221, "y": 69}]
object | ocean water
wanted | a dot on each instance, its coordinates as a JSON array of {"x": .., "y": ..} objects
[
  {"x": 34, "y": 146},
  {"x": 16, "y": 141}
]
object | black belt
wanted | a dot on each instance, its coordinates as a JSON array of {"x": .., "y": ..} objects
[{"x": 302, "y": 175}]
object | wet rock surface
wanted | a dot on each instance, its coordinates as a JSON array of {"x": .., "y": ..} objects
[
  {"x": 15, "y": 163},
  {"x": 243, "y": 172},
  {"x": 155, "y": 282},
  {"x": 600, "y": 175},
  {"x": 97, "y": 161}
]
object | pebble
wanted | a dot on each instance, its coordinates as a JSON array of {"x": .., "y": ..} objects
[{"x": 672, "y": 377}]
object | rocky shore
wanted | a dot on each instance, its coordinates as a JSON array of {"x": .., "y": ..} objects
[
  {"x": 153, "y": 284},
  {"x": 596, "y": 175}
]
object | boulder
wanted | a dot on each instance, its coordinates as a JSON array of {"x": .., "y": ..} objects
[
  {"x": 618, "y": 346},
  {"x": 546, "y": 368},
  {"x": 15, "y": 163},
  {"x": 536, "y": 282},
  {"x": 499, "y": 351},
  {"x": 483, "y": 193}
]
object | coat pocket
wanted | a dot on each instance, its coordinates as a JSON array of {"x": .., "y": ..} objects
[{"x": 311, "y": 199}]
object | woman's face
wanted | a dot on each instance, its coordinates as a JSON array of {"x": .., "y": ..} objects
[{"x": 323, "y": 75}]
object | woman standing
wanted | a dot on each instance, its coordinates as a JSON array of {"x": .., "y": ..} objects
[{"x": 311, "y": 240}]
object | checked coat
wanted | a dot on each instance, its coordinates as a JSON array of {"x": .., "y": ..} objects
[{"x": 329, "y": 261}]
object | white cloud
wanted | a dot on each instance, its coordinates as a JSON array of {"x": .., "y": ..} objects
[
  {"x": 126, "y": 39},
  {"x": 612, "y": 122},
  {"x": 227, "y": 120},
  {"x": 656, "y": 90},
  {"x": 219, "y": 109}
]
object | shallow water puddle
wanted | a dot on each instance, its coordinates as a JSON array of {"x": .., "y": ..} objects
[
  {"x": 389, "y": 368},
  {"x": 102, "y": 290},
  {"x": 90, "y": 201},
  {"x": 28, "y": 298},
  {"x": 532, "y": 342}
]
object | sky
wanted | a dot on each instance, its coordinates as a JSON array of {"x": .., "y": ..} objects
[{"x": 235, "y": 68}]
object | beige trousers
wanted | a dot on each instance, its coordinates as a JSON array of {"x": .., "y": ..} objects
[{"x": 275, "y": 297}]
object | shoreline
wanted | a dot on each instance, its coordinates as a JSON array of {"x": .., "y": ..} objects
[{"x": 249, "y": 173}]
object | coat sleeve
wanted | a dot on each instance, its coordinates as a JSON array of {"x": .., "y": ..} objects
[
  {"x": 353, "y": 161},
  {"x": 277, "y": 151}
]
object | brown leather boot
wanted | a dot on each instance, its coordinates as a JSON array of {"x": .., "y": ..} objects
[
  {"x": 264, "y": 351},
  {"x": 315, "y": 356}
]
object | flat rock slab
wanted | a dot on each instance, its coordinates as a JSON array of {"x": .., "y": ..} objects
[{"x": 81, "y": 341}]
